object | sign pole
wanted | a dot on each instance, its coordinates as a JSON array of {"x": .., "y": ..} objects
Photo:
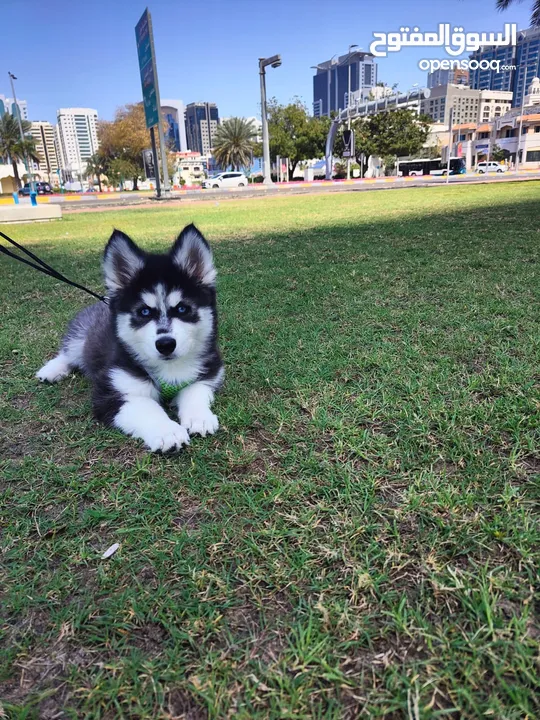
[
  {"x": 449, "y": 145},
  {"x": 150, "y": 91},
  {"x": 166, "y": 184},
  {"x": 156, "y": 163}
]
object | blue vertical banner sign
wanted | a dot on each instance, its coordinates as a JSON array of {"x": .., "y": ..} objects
[{"x": 147, "y": 67}]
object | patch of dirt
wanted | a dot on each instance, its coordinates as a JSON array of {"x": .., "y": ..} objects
[
  {"x": 509, "y": 608},
  {"x": 443, "y": 467},
  {"x": 392, "y": 493},
  {"x": 86, "y": 580},
  {"x": 531, "y": 464},
  {"x": 36, "y": 622},
  {"x": 189, "y": 516},
  {"x": 46, "y": 669},
  {"x": 477, "y": 364},
  {"x": 22, "y": 402},
  {"x": 148, "y": 577},
  {"x": 262, "y": 450},
  {"x": 126, "y": 456},
  {"x": 263, "y": 628},
  {"x": 150, "y": 638},
  {"x": 19, "y": 441},
  {"x": 183, "y": 706}
]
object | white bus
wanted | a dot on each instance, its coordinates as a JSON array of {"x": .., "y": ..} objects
[{"x": 430, "y": 166}]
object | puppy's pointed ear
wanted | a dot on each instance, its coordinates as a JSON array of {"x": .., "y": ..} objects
[
  {"x": 121, "y": 262},
  {"x": 192, "y": 254}
]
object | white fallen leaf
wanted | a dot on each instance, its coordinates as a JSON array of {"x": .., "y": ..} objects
[{"x": 110, "y": 551}]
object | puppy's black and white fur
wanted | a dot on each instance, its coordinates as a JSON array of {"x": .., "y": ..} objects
[{"x": 160, "y": 326}]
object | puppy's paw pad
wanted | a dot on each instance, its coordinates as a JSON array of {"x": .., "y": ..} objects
[
  {"x": 201, "y": 424},
  {"x": 168, "y": 439}
]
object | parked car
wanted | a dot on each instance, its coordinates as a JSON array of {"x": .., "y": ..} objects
[
  {"x": 491, "y": 166},
  {"x": 41, "y": 188},
  {"x": 226, "y": 180}
]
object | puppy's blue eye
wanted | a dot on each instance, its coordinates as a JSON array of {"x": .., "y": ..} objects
[
  {"x": 181, "y": 309},
  {"x": 144, "y": 312}
]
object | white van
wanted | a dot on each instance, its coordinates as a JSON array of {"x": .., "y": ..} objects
[
  {"x": 226, "y": 180},
  {"x": 491, "y": 166}
]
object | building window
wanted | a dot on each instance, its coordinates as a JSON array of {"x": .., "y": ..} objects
[{"x": 533, "y": 156}]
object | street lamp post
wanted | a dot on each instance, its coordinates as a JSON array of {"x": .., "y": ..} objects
[
  {"x": 18, "y": 112},
  {"x": 521, "y": 124},
  {"x": 274, "y": 61},
  {"x": 349, "y": 106},
  {"x": 450, "y": 138}
]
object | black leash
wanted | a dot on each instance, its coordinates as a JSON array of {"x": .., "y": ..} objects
[{"x": 44, "y": 268}]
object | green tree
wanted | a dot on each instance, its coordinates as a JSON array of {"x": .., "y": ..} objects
[
  {"x": 340, "y": 171},
  {"x": 14, "y": 150},
  {"x": 121, "y": 170},
  {"x": 234, "y": 143},
  {"x": 431, "y": 151},
  {"x": 96, "y": 166},
  {"x": 124, "y": 139},
  {"x": 395, "y": 132},
  {"x": 294, "y": 134},
  {"x": 498, "y": 154},
  {"x": 535, "y": 12}
]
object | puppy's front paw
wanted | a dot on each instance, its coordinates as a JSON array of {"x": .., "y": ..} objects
[
  {"x": 53, "y": 371},
  {"x": 167, "y": 438},
  {"x": 202, "y": 422}
]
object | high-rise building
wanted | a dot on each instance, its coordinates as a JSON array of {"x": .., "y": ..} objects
[
  {"x": 7, "y": 105},
  {"x": 174, "y": 112},
  {"x": 331, "y": 81},
  {"x": 457, "y": 76},
  {"x": 524, "y": 57},
  {"x": 77, "y": 138},
  {"x": 43, "y": 133},
  {"x": 202, "y": 119},
  {"x": 527, "y": 62}
]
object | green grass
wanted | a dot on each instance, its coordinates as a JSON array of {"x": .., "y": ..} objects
[{"x": 361, "y": 536}]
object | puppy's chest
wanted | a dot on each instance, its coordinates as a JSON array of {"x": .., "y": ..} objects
[{"x": 176, "y": 372}]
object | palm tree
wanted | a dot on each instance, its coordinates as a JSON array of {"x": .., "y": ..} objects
[
  {"x": 234, "y": 141},
  {"x": 96, "y": 166},
  {"x": 535, "y": 16},
  {"x": 12, "y": 148}
]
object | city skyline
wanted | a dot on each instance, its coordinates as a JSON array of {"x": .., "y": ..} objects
[{"x": 100, "y": 70}]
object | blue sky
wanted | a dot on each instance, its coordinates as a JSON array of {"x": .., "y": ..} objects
[{"x": 83, "y": 54}]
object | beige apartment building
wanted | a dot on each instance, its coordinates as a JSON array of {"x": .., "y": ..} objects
[
  {"x": 469, "y": 106},
  {"x": 44, "y": 135}
]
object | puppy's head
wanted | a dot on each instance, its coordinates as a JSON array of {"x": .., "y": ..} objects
[{"x": 164, "y": 304}]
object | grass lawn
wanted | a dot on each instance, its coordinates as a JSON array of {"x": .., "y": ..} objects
[{"x": 361, "y": 536}]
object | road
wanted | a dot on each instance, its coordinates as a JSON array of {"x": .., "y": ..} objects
[{"x": 258, "y": 190}]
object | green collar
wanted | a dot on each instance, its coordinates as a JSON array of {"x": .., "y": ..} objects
[{"x": 169, "y": 392}]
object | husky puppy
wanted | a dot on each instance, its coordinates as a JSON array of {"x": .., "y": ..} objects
[{"x": 155, "y": 340}]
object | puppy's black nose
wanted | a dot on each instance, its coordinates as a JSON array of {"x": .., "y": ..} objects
[{"x": 165, "y": 345}]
